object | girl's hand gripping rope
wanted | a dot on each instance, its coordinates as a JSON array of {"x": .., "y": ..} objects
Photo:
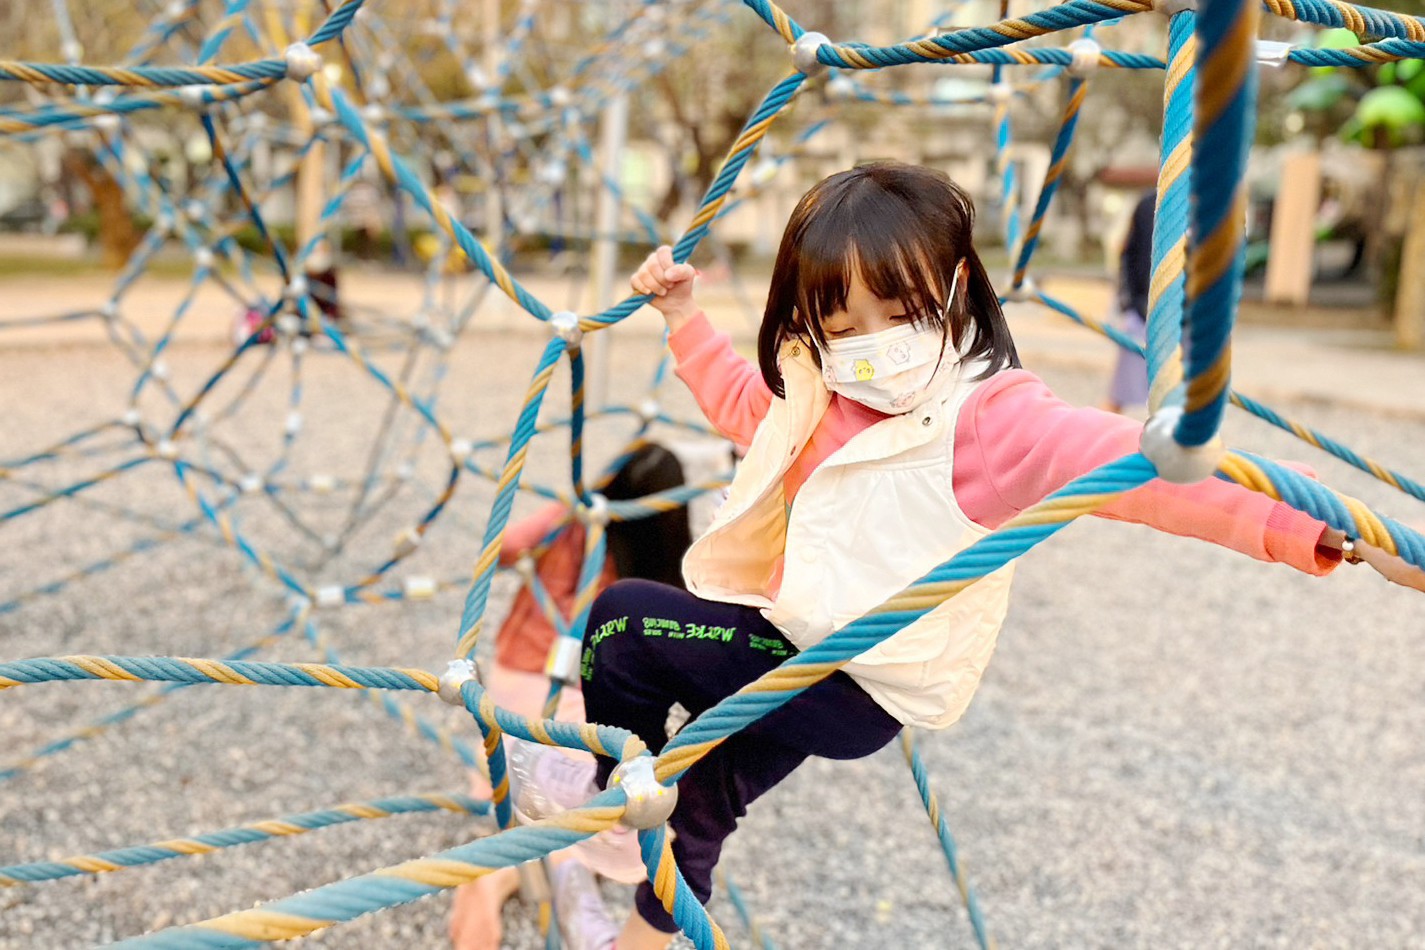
[
  {"x": 1395, "y": 569},
  {"x": 671, "y": 286}
]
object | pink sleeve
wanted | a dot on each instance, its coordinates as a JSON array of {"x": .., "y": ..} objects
[
  {"x": 522, "y": 535},
  {"x": 728, "y": 388},
  {"x": 1017, "y": 442}
]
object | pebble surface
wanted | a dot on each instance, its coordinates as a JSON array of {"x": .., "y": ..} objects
[{"x": 1175, "y": 746}]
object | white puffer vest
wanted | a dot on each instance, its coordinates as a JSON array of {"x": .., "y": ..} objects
[{"x": 873, "y": 517}]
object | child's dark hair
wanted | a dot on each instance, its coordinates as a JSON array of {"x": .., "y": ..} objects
[
  {"x": 651, "y": 547},
  {"x": 903, "y": 229}
]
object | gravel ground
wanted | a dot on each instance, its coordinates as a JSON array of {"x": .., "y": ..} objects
[{"x": 1175, "y": 746}]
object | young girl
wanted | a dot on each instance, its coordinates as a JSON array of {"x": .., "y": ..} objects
[{"x": 887, "y": 427}]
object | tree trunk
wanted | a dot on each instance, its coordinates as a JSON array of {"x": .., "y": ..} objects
[
  {"x": 117, "y": 235},
  {"x": 1410, "y": 292}
]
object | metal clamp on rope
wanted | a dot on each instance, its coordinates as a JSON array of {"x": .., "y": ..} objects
[
  {"x": 595, "y": 512},
  {"x": 302, "y": 61},
  {"x": 1086, "y": 55},
  {"x": 649, "y": 410},
  {"x": 804, "y": 53},
  {"x": 1182, "y": 464},
  {"x": 562, "y": 663},
  {"x": 1026, "y": 291},
  {"x": 565, "y": 325},
  {"x": 840, "y": 88},
  {"x": 1272, "y": 53},
  {"x": 1171, "y": 8},
  {"x": 457, "y": 674},
  {"x": 649, "y": 801}
]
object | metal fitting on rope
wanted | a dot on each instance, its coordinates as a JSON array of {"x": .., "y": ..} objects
[
  {"x": 203, "y": 257},
  {"x": 1272, "y": 53},
  {"x": 765, "y": 170},
  {"x": 158, "y": 369},
  {"x": 565, "y": 325},
  {"x": 596, "y": 512},
  {"x": 1171, "y": 8},
  {"x": 195, "y": 210},
  {"x": 457, "y": 674},
  {"x": 649, "y": 802},
  {"x": 559, "y": 96},
  {"x": 373, "y": 114},
  {"x": 250, "y": 484},
  {"x": 1182, "y": 464},
  {"x": 166, "y": 450},
  {"x": 460, "y": 449},
  {"x": 524, "y": 567},
  {"x": 649, "y": 410},
  {"x": 299, "y": 344},
  {"x": 332, "y": 595},
  {"x": 419, "y": 588},
  {"x": 192, "y": 97},
  {"x": 804, "y": 53},
  {"x": 321, "y": 483},
  {"x": 110, "y": 310},
  {"x": 302, "y": 61},
  {"x": 72, "y": 51},
  {"x": 175, "y": 9},
  {"x": 1086, "y": 55},
  {"x": 294, "y": 422},
  {"x": 165, "y": 223},
  {"x": 562, "y": 663},
  {"x": 999, "y": 93},
  {"x": 406, "y": 542},
  {"x": 131, "y": 418},
  {"x": 296, "y": 288},
  {"x": 1026, "y": 291},
  {"x": 840, "y": 87},
  {"x": 108, "y": 122}
]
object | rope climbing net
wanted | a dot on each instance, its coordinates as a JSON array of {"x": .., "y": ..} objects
[{"x": 541, "y": 128}]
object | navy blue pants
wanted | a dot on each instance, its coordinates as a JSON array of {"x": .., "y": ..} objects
[{"x": 649, "y": 646}]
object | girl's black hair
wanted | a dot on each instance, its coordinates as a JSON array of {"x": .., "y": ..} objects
[
  {"x": 903, "y": 229},
  {"x": 651, "y": 548}
]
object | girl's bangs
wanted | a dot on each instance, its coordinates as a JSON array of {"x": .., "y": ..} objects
[{"x": 880, "y": 240}]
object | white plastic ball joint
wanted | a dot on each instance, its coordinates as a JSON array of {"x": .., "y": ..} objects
[
  {"x": 1181, "y": 464},
  {"x": 457, "y": 674},
  {"x": 1000, "y": 93},
  {"x": 72, "y": 51},
  {"x": 565, "y": 325},
  {"x": 302, "y": 61},
  {"x": 192, "y": 96},
  {"x": 1027, "y": 291},
  {"x": 297, "y": 288},
  {"x": 804, "y": 53},
  {"x": 1085, "y": 54},
  {"x": 596, "y": 512},
  {"x": 203, "y": 257},
  {"x": 649, "y": 410},
  {"x": 649, "y": 802},
  {"x": 460, "y": 450}
]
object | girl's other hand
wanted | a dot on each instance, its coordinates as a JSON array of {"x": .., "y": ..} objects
[
  {"x": 670, "y": 284},
  {"x": 1393, "y": 568}
]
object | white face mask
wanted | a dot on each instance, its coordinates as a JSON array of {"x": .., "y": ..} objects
[{"x": 889, "y": 371}]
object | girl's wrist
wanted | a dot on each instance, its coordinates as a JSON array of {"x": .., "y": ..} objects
[{"x": 680, "y": 317}]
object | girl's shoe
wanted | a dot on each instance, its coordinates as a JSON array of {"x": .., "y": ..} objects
[
  {"x": 584, "y": 919},
  {"x": 546, "y": 781}
]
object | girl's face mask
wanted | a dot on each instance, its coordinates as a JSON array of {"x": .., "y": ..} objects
[{"x": 889, "y": 371}]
